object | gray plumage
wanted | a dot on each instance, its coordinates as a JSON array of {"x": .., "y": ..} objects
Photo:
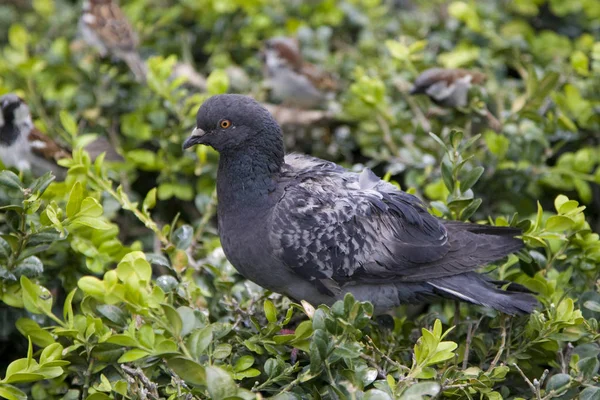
[{"x": 313, "y": 230}]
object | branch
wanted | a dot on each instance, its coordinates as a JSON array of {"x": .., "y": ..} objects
[
  {"x": 293, "y": 116},
  {"x": 148, "y": 384}
]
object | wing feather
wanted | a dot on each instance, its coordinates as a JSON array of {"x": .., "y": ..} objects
[{"x": 334, "y": 224}]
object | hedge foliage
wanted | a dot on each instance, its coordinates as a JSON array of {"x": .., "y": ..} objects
[{"x": 113, "y": 284}]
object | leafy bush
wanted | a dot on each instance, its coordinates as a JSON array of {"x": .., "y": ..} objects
[{"x": 113, "y": 283}]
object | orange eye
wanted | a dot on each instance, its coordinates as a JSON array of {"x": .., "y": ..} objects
[{"x": 225, "y": 123}]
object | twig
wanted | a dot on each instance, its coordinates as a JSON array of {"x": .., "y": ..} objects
[
  {"x": 371, "y": 346},
  {"x": 292, "y": 116},
  {"x": 472, "y": 327},
  {"x": 88, "y": 376},
  {"x": 371, "y": 361},
  {"x": 502, "y": 344},
  {"x": 387, "y": 135},
  {"x": 565, "y": 358},
  {"x": 148, "y": 384},
  {"x": 535, "y": 391}
]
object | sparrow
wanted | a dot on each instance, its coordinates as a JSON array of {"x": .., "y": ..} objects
[
  {"x": 104, "y": 26},
  {"x": 314, "y": 231},
  {"x": 293, "y": 81},
  {"x": 447, "y": 87},
  {"x": 26, "y": 148},
  {"x": 450, "y": 88}
]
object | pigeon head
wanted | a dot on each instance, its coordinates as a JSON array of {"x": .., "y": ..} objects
[
  {"x": 231, "y": 122},
  {"x": 15, "y": 118}
]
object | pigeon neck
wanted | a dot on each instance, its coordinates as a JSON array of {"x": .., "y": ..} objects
[{"x": 247, "y": 176}]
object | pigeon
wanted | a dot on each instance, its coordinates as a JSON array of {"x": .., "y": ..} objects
[
  {"x": 313, "y": 230},
  {"x": 25, "y": 148},
  {"x": 103, "y": 26},
  {"x": 447, "y": 87},
  {"x": 293, "y": 81}
]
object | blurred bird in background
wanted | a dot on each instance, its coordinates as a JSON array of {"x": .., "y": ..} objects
[
  {"x": 293, "y": 81},
  {"x": 450, "y": 88},
  {"x": 26, "y": 148},
  {"x": 104, "y": 26}
]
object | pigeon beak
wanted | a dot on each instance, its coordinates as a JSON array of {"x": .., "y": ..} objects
[{"x": 194, "y": 139}]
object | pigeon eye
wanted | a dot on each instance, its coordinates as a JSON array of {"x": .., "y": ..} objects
[{"x": 225, "y": 123}]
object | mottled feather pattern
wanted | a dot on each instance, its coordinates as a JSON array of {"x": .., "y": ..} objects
[
  {"x": 108, "y": 21},
  {"x": 45, "y": 147},
  {"x": 335, "y": 224}
]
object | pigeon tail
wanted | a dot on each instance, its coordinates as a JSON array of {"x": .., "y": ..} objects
[{"x": 476, "y": 289}]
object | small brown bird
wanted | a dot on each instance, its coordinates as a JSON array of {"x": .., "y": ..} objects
[
  {"x": 293, "y": 81},
  {"x": 25, "y": 148},
  {"x": 104, "y": 27},
  {"x": 447, "y": 87}
]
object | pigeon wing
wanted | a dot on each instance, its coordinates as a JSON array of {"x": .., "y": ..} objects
[{"x": 334, "y": 225}]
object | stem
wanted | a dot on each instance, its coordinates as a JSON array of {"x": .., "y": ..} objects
[
  {"x": 88, "y": 376},
  {"x": 387, "y": 134},
  {"x": 502, "y": 345},
  {"x": 149, "y": 223},
  {"x": 529, "y": 383}
]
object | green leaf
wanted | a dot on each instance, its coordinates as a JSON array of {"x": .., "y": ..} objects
[
  {"x": 188, "y": 318},
  {"x": 592, "y": 305},
  {"x": 30, "y": 267},
  {"x": 199, "y": 340},
  {"x": 447, "y": 176},
  {"x": 31, "y": 329},
  {"x": 270, "y": 311},
  {"x": 589, "y": 367},
  {"x": 190, "y": 371},
  {"x": 243, "y": 363},
  {"x": 421, "y": 389},
  {"x": 68, "y": 307},
  {"x": 182, "y": 237},
  {"x": 134, "y": 264},
  {"x": 92, "y": 286},
  {"x": 37, "y": 299},
  {"x": 439, "y": 141},
  {"x": 219, "y": 383},
  {"x": 11, "y": 393},
  {"x": 559, "y": 383},
  {"x": 469, "y": 210},
  {"x": 559, "y": 223},
  {"x": 10, "y": 180},
  {"x": 5, "y": 249},
  {"x": 41, "y": 184},
  {"x": 51, "y": 353},
  {"x": 132, "y": 355},
  {"x": 98, "y": 396},
  {"x": 217, "y": 82},
  {"x": 222, "y": 351},
  {"x": 173, "y": 317},
  {"x": 18, "y": 37},
  {"x": 590, "y": 393},
  {"x": 146, "y": 336},
  {"x": 90, "y": 208},
  {"x": 92, "y": 222},
  {"x": 471, "y": 178},
  {"x": 149, "y": 200},
  {"x": 123, "y": 340},
  {"x": 376, "y": 394},
  {"x": 68, "y": 123},
  {"x": 75, "y": 200},
  {"x": 398, "y": 50}
]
